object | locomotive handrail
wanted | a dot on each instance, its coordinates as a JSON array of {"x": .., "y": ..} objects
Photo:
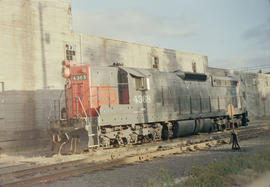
[
  {"x": 95, "y": 108},
  {"x": 97, "y": 111},
  {"x": 81, "y": 105}
]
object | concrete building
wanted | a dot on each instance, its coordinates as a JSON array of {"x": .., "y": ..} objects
[
  {"x": 256, "y": 89},
  {"x": 36, "y": 35}
]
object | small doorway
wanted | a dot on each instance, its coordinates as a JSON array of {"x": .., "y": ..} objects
[{"x": 123, "y": 90}]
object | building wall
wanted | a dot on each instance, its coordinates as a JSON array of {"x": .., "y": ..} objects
[
  {"x": 99, "y": 51},
  {"x": 255, "y": 88},
  {"x": 35, "y": 34},
  {"x": 32, "y": 35},
  {"x": 263, "y": 95}
]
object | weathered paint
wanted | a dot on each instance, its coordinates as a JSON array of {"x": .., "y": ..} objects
[{"x": 83, "y": 96}]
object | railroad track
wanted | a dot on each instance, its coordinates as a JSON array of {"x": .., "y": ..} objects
[{"x": 141, "y": 153}]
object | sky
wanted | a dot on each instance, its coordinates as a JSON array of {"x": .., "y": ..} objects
[{"x": 233, "y": 34}]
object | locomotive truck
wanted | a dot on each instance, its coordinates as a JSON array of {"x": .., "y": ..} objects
[{"x": 115, "y": 106}]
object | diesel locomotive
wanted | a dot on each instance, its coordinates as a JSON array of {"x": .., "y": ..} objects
[{"x": 115, "y": 106}]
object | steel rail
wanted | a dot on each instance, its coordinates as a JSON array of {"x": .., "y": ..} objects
[{"x": 116, "y": 159}]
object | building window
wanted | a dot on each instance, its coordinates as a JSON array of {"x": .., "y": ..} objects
[
  {"x": 155, "y": 62},
  {"x": 254, "y": 82},
  {"x": 267, "y": 83},
  {"x": 194, "y": 68},
  {"x": 142, "y": 83},
  {"x": 70, "y": 52},
  {"x": 2, "y": 87}
]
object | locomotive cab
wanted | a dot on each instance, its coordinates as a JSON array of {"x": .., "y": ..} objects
[
  {"x": 77, "y": 127},
  {"x": 86, "y": 91}
]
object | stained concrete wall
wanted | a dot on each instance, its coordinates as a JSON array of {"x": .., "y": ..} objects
[
  {"x": 263, "y": 95},
  {"x": 254, "y": 87},
  {"x": 32, "y": 37},
  {"x": 99, "y": 51},
  {"x": 35, "y": 32}
]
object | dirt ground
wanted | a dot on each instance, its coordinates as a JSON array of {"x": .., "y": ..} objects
[
  {"x": 178, "y": 166},
  {"x": 139, "y": 174},
  {"x": 262, "y": 181}
]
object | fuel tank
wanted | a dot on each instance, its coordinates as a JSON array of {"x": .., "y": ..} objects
[{"x": 190, "y": 127}]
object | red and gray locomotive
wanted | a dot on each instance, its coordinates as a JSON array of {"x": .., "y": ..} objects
[{"x": 114, "y": 106}]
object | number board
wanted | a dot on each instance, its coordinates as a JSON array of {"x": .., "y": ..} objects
[{"x": 79, "y": 77}]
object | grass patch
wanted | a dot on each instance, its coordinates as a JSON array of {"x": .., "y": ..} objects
[{"x": 224, "y": 173}]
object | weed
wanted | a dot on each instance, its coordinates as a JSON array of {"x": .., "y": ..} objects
[{"x": 219, "y": 174}]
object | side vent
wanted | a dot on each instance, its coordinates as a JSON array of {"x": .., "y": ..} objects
[
  {"x": 191, "y": 76},
  {"x": 224, "y": 82}
]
